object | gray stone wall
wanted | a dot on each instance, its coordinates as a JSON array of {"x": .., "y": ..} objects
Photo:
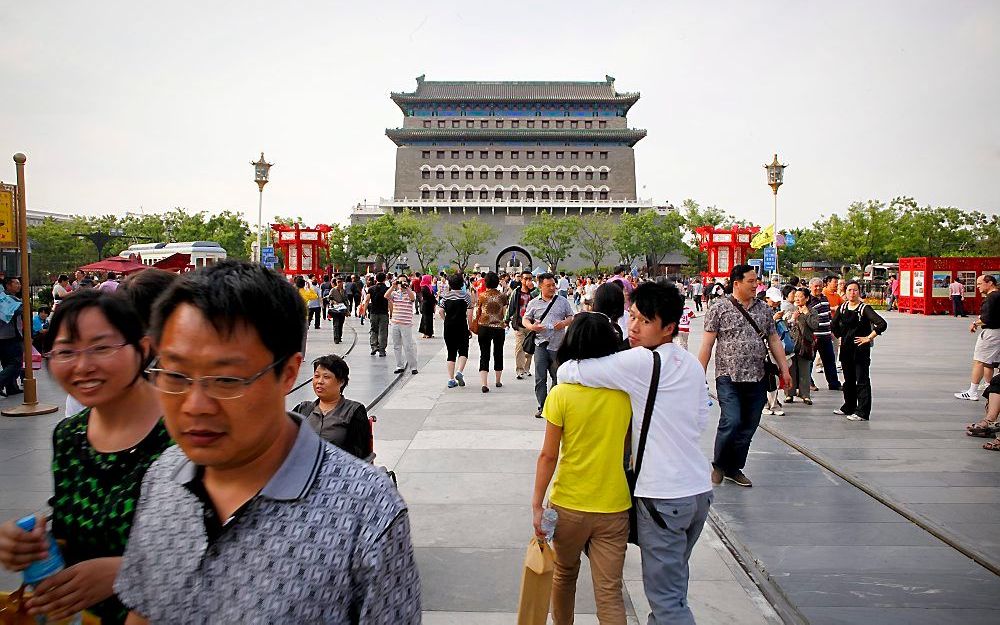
[{"x": 410, "y": 159}]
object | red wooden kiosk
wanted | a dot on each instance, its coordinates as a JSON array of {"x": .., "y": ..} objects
[
  {"x": 300, "y": 246},
  {"x": 726, "y": 248},
  {"x": 924, "y": 281}
]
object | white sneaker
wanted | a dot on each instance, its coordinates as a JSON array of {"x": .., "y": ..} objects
[
  {"x": 778, "y": 413},
  {"x": 767, "y": 411},
  {"x": 967, "y": 395},
  {"x": 840, "y": 412},
  {"x": 854, "y": 417}
]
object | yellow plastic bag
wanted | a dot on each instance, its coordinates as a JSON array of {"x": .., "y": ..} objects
[
  {"x": 536, "y": 584},
  {"x": 13, "y": 612}
]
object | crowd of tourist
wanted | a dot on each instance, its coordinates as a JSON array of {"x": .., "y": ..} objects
[{"x": 164, "y": 487}]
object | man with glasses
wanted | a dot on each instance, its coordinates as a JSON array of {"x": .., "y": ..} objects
[{"x": 252, "y": 517}]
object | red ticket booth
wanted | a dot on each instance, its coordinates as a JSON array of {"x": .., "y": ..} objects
[
  {"x": 726, "y": 248},
  {"x": 924, "y": 282},
  {"x": 301, "y": 246}
]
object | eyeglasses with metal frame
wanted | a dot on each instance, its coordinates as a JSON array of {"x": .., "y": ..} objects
[{"x": 215, "y": 386}]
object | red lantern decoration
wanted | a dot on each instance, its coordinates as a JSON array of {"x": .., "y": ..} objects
[
  {"x": 726, "y": 248},
  {"x": 301, "y": 246}
]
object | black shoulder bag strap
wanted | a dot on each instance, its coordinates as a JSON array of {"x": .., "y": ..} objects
[
  {"x": 547, "y": 309},
  {"x": 654, "y": 384},
  {"x": 753, "y": 324}
]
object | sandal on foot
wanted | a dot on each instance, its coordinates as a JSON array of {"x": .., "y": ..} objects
[
  {"x": 993, "y": 445},
  {"x": 983, "y": 429}
]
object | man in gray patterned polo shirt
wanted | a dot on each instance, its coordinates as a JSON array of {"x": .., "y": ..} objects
[
  {"x": 252, "y": 518},
  {"x": 739, "y": 370}
]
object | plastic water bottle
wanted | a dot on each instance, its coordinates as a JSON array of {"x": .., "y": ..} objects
[
  {"x": 549, "y": 519},
  {"x": 42, "y": 569}
]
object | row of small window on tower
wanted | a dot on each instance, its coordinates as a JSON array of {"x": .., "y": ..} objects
[
  {"x": 514, "y": 175},
  {"x": 513, "y": 194},
  {"x": 516, "y": 123},
  {"x": 514, "y": 155}
]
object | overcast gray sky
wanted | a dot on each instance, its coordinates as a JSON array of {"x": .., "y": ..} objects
[{"x": 122, "y": 105}]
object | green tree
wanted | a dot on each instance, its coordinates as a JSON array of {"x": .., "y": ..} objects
[
  {"x": 419, "y": 233},
  {"x": 695, "y": 217},
  {"x": 863, "y": 235},
  {"x": 467, "y": 239},
  {"x": 626, "y": 238},
  {"x": 385, "y": 240},
  {"x": 551, "y": 238},
  {"x": 659, "y": 235},
  {"x": 596, "y": 237}
]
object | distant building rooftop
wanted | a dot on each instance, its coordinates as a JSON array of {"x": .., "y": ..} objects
[{"x": 526, "y": 91}]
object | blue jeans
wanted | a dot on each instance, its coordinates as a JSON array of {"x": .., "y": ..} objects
[
  {"x": 666, "y": 552},
  {"x": 741, "y": 404}
]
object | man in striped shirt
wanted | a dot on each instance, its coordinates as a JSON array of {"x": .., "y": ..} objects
[
  {"x": 824, "y": 337},
  {"x": 401, "y": 325}
]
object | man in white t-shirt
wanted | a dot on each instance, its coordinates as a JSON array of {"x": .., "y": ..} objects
[
  {"x": 401, "y": 299},
  {"x": 563, "y": 284},
  {"x": 674, "y": 488}
]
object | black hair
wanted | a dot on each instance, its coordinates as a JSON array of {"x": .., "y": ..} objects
[
  {"x": 609, "y": 299},
  {"x": 591, "y": 335},
  {"x": 8, "y": 279},
  {"x": 62, "y": 278},
  {"x": 456, "y": 281},
  {"x": 827, "y": 279},
  {"x": 739, "y": 272},
  {"x": 44, "y": 309},
  {"x": 492, "y": 280},
  {"x": 117, "y": 309},
  {"x": 785, "y": 290},
  {"x": 794, "y": 281},
  {"x": 231, "y": 293},
  {"x": 803, "y": 290},
  {"x": 144, "y": 287},
  {"x": 990, "y": 278},
  {"x": 546, "y": 276},
  {"x": 335, "y": 365},
  {"x": 112, "y": 275},
  {"x": 854, "y": 282},
  {"x": 527, "y": 272},
  {"x": 621, "y": 269},
  {"x": 662, "y": 301},
  {"x": 380, "y": 277},
  {"x": 300, "y": 282}
]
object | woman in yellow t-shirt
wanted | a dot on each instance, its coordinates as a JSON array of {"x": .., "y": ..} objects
[{"x": 585, "y": 435}]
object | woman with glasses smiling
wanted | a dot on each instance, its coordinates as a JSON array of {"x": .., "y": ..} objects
[{"x": 95, "y": 350}]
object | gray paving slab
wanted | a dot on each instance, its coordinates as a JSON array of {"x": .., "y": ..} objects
[{"x": 860, "y": 562}]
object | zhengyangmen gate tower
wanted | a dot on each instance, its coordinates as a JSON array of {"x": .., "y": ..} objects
[{"x": 504, "y": 152}]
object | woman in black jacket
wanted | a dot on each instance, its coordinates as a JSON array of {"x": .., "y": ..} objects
[
  {"x": 857, "y": 325},
  {"x": 427, "y": 305}
]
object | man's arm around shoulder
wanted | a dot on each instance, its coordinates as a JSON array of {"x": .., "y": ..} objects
[{"x": 624, "y": 371}]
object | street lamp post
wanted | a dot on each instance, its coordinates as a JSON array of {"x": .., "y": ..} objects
[
  {"x": 775, "y": 178},
  {"x": 261, "y": 169},
  {"x": 31, "y": 406}
]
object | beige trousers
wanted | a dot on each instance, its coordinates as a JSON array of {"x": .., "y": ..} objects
[{"x": 522, "y": 361}]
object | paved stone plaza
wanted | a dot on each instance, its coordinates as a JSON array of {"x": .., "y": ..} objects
[{"x": 825, "y": 551}]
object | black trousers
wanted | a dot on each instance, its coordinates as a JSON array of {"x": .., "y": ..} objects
[
  {"x": 338, "y": 325},
  {"x": 824, "y": 344},
  {"x": 314, "y": 315},
  {"x": 957, "y": 306},
  {"x": 488, "y": 335},
  {"x": 857, "y": 382}
]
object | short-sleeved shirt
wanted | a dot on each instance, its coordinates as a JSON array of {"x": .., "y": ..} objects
[
  {"x": 378, "y": 304},
  {"x": 402, "y": 308},
  {"x": 956, "y": 288},
  {"x": 327, "y": 540},
  {"x": 739, "y": 351},
  {"x": 456, "y": 305},
  {"x": 95, "y": 495},
  {"x": 821, "y": 306},
  {"x": 590, "y": 476},
  {"x": 560, "y": 310}
]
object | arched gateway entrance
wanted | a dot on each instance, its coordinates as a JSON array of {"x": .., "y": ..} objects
[{"x": 513, "y": 258}]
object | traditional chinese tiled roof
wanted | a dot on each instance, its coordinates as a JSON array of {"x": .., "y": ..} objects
[
  {"x": 402, "y": 136},
  {"x": 514, "y": 91}
]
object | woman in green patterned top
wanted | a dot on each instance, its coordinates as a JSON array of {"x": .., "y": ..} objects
[{"x": 97, "y": 352}]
